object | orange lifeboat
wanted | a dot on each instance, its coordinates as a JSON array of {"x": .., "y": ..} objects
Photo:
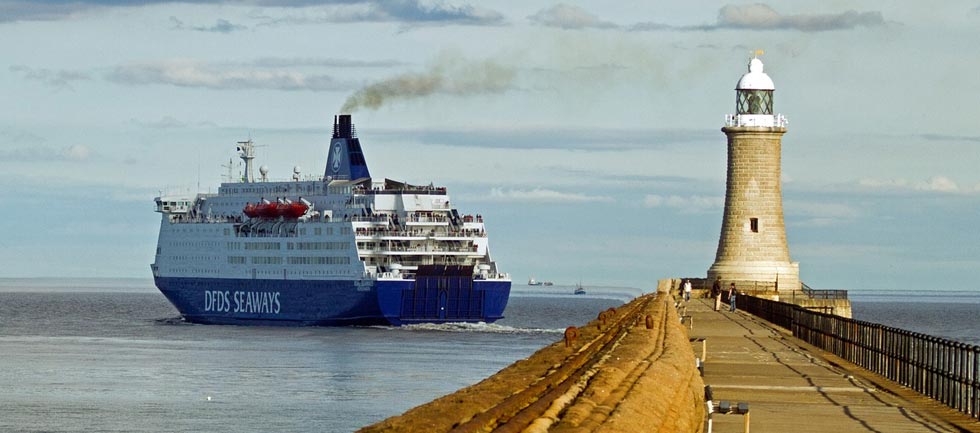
[
  {"x": 266, "y": 209},
  {"x": 296, "y": 209},
  {"x": 251, "y": 210},
  {"x": 280, "y": 209}
]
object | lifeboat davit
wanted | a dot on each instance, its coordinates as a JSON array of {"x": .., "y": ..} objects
[{"x": 251, "y": 210}]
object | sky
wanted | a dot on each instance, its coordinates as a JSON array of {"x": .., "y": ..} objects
[{"x": 586, "y": 133}]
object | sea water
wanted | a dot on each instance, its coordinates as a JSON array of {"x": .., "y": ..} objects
[
  {"x": 954, "y": 314},
  {"x": 114, "y": 356}
]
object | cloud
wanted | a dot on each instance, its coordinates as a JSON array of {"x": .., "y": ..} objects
[
  {"x": 817, "y": 209},
  {"x": 843, "y": 251},
  {"x": 448, "y": 74},
  {"x": 414, "y": 12},
  {"x": 75, "y": 152},
  {"x": 58, "y": 79},
  {"x": 170, "y": 122},
  {"x": 564, "y": 138},
  {"x": 541, "y": 195},
  {"x": 945, "y": 137},
  {"x": 760, "y": 16},
  {"x": 940, "y": 184},
  {"x": 686, "y": 204},
  {"x": 11, "y": 11},
  {"x": 409, "y": 12},
  {"x": 819, "y": 214},
  {"x": 191, "y": 73},
  {"x": 220, "y": 26},
  {"x": 569, "y": 17},
  {"x": 329, "y": 62},
  {"x": 405, "y": 11},
  {"x": 21, "y": 137},
  {"x": 278, "y": 73}
]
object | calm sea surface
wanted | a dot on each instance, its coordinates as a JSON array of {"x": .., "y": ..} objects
[
  {"x": 954, "y": 315},
  {"x": 114, "y": 356}
]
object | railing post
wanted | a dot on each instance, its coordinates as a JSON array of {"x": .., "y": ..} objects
[{"x": 975, "y": 382}]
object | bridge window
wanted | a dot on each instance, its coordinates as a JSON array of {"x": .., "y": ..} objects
[{"x": 754, "y": 225}]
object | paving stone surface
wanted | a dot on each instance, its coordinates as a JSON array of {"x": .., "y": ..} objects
[{"x": 793, "y": 387}]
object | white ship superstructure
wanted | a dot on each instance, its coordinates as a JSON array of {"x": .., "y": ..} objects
[{"x": 339, "y": 249}]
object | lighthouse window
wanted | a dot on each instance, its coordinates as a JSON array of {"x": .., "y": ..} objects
[
  {"x": 754, "y": 225},
  {"x": 754, "y": 102}
]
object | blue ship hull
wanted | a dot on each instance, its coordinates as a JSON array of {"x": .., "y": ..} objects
[{"x": 435, "y": 299}]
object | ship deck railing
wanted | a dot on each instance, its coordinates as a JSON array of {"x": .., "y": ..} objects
[
  {"x": 382, "y": 233},
  {"x": 438, "y": 190},
  {"x": 370, "y": 219},
  {"x": 432, "y": 249},
  {"x": 426, "y": 219},
  {"x": 181, "y": 219}
]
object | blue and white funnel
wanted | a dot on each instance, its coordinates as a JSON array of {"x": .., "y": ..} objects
[{"x": 346, "y": 160}]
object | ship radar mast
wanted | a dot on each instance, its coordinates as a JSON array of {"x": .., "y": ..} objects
[{"x": 246, "y": 151}]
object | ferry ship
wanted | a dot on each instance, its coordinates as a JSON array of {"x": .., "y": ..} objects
[{"x": 342, "y": 249}]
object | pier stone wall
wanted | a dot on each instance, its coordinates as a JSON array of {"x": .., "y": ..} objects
[{"x": 633, "y": 370}]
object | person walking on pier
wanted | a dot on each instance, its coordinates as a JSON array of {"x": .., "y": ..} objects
[
  {"x": 716, "y": 293},
  {"x": 687, "y": 290},
  {"x": 732, "y": 294}
]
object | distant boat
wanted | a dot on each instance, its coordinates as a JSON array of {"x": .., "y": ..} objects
[
  {"x": 533, "y": 282},
  {"x": 549, "y": 283},
  {"x": 579, "y": 290}
]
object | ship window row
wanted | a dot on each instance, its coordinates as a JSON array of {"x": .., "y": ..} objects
[
  {"x": 263, "y": 246},
  {"x": 318, "y": 231},
  {"x": 326, "y": 272},
  {"x": 275, "y": 260},
  {"x": 318, "y": 245},
  {"x": 194, "y": 258},
  {"x": 194, "y": 244},
  {"x": 278, "y": 189},
  {"x": 319, "y": 260},
  {"x": 194, "y": 228},
  {"x": 236, "y": 260},
  {"x": 278, "y": 273},
  {"x": 233, "y": 245},
  {"x": 192, "y": 271}
]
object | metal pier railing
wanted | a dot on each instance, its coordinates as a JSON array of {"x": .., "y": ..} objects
[{"x": 942, "y": 369}]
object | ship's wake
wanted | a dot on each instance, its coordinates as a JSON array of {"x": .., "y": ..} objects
[
  {"x": 172, "y": 321},
  {"x": 481, "y": 327}
]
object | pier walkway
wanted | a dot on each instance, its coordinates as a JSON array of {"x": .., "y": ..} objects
[{"x": 791, "y": 386}]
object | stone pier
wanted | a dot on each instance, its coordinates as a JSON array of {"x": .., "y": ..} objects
[{"x": 639, "y": 369}]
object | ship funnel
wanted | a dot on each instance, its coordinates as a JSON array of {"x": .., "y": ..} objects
[
  {"x": 342, "y": 126},
  {"x": 345, "y": 160}
]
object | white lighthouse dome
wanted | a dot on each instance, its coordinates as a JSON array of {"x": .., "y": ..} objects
[{"x": 755, "y": 79}]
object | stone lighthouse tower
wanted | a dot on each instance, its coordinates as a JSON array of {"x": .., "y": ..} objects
[{"x": 752, "y": 250}]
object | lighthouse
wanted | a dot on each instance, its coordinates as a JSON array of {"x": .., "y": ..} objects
[{"x": 752, "y": 249}]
